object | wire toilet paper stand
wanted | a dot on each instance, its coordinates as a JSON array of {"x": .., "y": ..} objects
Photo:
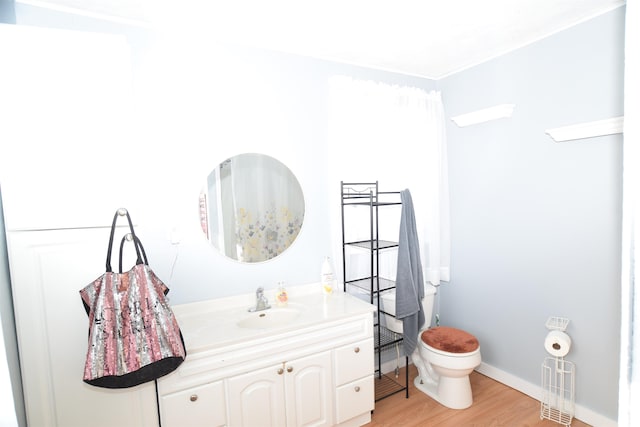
[{"x": 558, "y": 382}]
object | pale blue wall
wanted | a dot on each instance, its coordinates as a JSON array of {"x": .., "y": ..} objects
[{"x": 535, "y": 223}]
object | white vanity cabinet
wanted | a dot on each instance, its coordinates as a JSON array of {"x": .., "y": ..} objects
[
  {"x": 293, "y": 393},
  {"x": 315, "y": 371}
]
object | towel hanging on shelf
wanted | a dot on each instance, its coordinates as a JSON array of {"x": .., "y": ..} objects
[{"x": 409, "y": 277}]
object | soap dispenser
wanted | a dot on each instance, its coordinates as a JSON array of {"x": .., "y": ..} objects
[
  {"x": 282, "y": 298},
  {"x": 326, "y": 277}
]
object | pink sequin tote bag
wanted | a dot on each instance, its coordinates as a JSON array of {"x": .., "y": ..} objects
[{"x": 133, "y": 334}]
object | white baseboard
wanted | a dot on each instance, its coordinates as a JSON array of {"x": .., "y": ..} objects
[
  {"x": 535, "y": 391},
  {"x": 390, "y": 366},
  {"x": 583, "y": 414}
]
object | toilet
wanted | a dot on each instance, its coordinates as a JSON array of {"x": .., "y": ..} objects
[{"x": 444, "y": 356}]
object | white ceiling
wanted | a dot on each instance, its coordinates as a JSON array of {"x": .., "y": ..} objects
[{"x": 427, "y": 38}]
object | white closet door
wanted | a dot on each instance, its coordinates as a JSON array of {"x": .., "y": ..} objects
[{"x": 48, "y": 268}]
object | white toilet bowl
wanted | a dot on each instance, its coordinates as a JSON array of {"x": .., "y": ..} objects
[{"x": 445, "y": 357}]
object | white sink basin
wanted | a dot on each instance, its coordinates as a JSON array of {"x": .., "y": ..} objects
[{"x": 269, "y": 318}]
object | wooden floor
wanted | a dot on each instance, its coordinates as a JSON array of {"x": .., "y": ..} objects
[{"x": 494, "y": 405}]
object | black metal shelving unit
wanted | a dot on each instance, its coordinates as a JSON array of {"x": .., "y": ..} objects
[{"x": 365, "y": 196}]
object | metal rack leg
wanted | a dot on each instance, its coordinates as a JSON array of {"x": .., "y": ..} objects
[{"x": 406, "y": 375}]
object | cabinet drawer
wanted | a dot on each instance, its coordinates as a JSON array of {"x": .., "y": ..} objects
[
  {"x": 354, "y": 399},
  {"x": 203, "y": 405},
  {"x": 353, "y": 361}
]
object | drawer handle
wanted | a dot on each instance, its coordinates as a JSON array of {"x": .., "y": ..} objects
[
  {"x": 290, "y": 369},
  {"x": 193, "y": 397},
  {"x": 357, "y": 388},
  {"x": 357, "y": 349},
  {"x": 280, "y": 371}
]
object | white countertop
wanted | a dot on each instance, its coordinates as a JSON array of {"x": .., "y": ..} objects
[{"x": 212, "y": 324}]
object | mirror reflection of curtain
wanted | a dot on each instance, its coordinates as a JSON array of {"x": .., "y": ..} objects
[
  {"x": 261, "y": 208},
  {"x": 217, "y": 202},
  {"x": 225, "y": 216}
]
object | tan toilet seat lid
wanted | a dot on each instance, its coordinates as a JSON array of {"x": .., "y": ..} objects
[{"x": 450, "y": 340}]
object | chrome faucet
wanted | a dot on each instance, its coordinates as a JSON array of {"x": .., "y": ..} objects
[{"x": 261, "y": 301}]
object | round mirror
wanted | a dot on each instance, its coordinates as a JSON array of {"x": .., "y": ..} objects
[{"x": 251, "y": 207}]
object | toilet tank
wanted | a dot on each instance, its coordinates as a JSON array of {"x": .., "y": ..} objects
[{"x": 388, "y": 305}]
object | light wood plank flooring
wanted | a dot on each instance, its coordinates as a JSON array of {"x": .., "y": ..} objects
[{"x": 494, "y": 405}]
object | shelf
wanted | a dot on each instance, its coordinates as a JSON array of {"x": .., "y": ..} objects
[
  {"x": 373, "y": 244},
  {"x": 387, "y": 385},
  {"x": 557, "y": 323},
  {"x": 366, "y": 194},
  {"x": 387, "y": 338},
  {"x": 365, "y": 284},
  {"x": 374, "y": 204}
]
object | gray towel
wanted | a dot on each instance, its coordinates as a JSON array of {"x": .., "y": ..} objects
[{"x": 409, "y": 279}]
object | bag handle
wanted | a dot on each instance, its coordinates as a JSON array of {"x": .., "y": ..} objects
[
  {"x": 138, "y": 244},
  {"x": 121, "y": 212}
]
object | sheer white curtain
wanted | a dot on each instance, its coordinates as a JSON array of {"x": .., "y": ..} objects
[
  {"x": 629, "y": 394},
  {"x": 394, "y": 135}
]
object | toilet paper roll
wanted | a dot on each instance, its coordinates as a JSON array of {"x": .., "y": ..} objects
[{"x": 557, "y": 343}]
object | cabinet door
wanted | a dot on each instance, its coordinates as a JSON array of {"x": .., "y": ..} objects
[
  {"x": 48, "y": 268},
  {"x": 257, "y": 398},
  {"x": 309, "y": 391},
  {"x": 197, "y": 406}
]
